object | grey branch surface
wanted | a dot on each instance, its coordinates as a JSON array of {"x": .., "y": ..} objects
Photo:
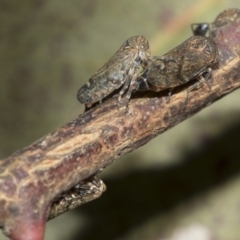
[{"x": 33, "y": 177}]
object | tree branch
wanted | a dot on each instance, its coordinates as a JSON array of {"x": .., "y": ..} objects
[{"x": 32, "y": 178}]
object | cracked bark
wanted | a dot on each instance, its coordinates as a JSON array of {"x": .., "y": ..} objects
[{"x": 33, "y": 177}]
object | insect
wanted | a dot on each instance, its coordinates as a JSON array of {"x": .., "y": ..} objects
[
  {"x": 120, "y": 71},
  {"x": 84, "y": 192},
  {"x": 200, "y": 29},
  {"x": 191, "y": 59},
  {"x": 226, "y": 17}
]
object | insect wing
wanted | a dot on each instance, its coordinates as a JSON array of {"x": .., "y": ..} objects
[
  {"x": 161, "y": 71},
  {"x": 108, "y": 78},
  {"x": 165, "y": 71},
  {"x": 183, "y": 63}
]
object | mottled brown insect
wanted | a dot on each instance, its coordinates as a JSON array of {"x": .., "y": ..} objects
[
  {"x": 191, "y": 59},
  {"x": 120, "y": 71},
  {"x": 226, "y": 17},
  {"x": 84, "y": 192}
]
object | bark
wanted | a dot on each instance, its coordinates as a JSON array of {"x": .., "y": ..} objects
[{"x": 33, "y": 177}]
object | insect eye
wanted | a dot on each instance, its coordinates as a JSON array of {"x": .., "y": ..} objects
[{"x": 144, "y": 46}]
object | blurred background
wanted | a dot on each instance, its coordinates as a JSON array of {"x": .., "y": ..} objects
[{"x": 184, "y": 184}]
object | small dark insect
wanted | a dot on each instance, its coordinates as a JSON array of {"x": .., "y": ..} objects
[
  {"x": 200, "y": 29},
  {"x": 191, "y": 59},
  {"x": 84, "y": 192},
  {"x": 226, "y": 17},
  {"x": 120, "y": 71}
]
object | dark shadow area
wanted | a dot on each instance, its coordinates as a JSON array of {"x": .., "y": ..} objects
[{"x": 135, "y": 198}]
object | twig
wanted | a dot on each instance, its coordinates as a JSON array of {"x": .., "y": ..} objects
[{"x": 33, "y": 177}]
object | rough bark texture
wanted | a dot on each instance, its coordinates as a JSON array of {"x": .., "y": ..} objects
[{"x": 33, "y": 177}]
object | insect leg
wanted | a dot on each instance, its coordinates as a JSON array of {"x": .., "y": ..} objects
[
  {"x": 134, "y": 85},
  {"x": 127, "y": 81},
  {"x": 207, "y": 76},
  {"x": 169, "y": 95},
  {"x": 132, "y": 88},
  {"x": 201, "y": 79},
  {"x": 146, "y": 83}
]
